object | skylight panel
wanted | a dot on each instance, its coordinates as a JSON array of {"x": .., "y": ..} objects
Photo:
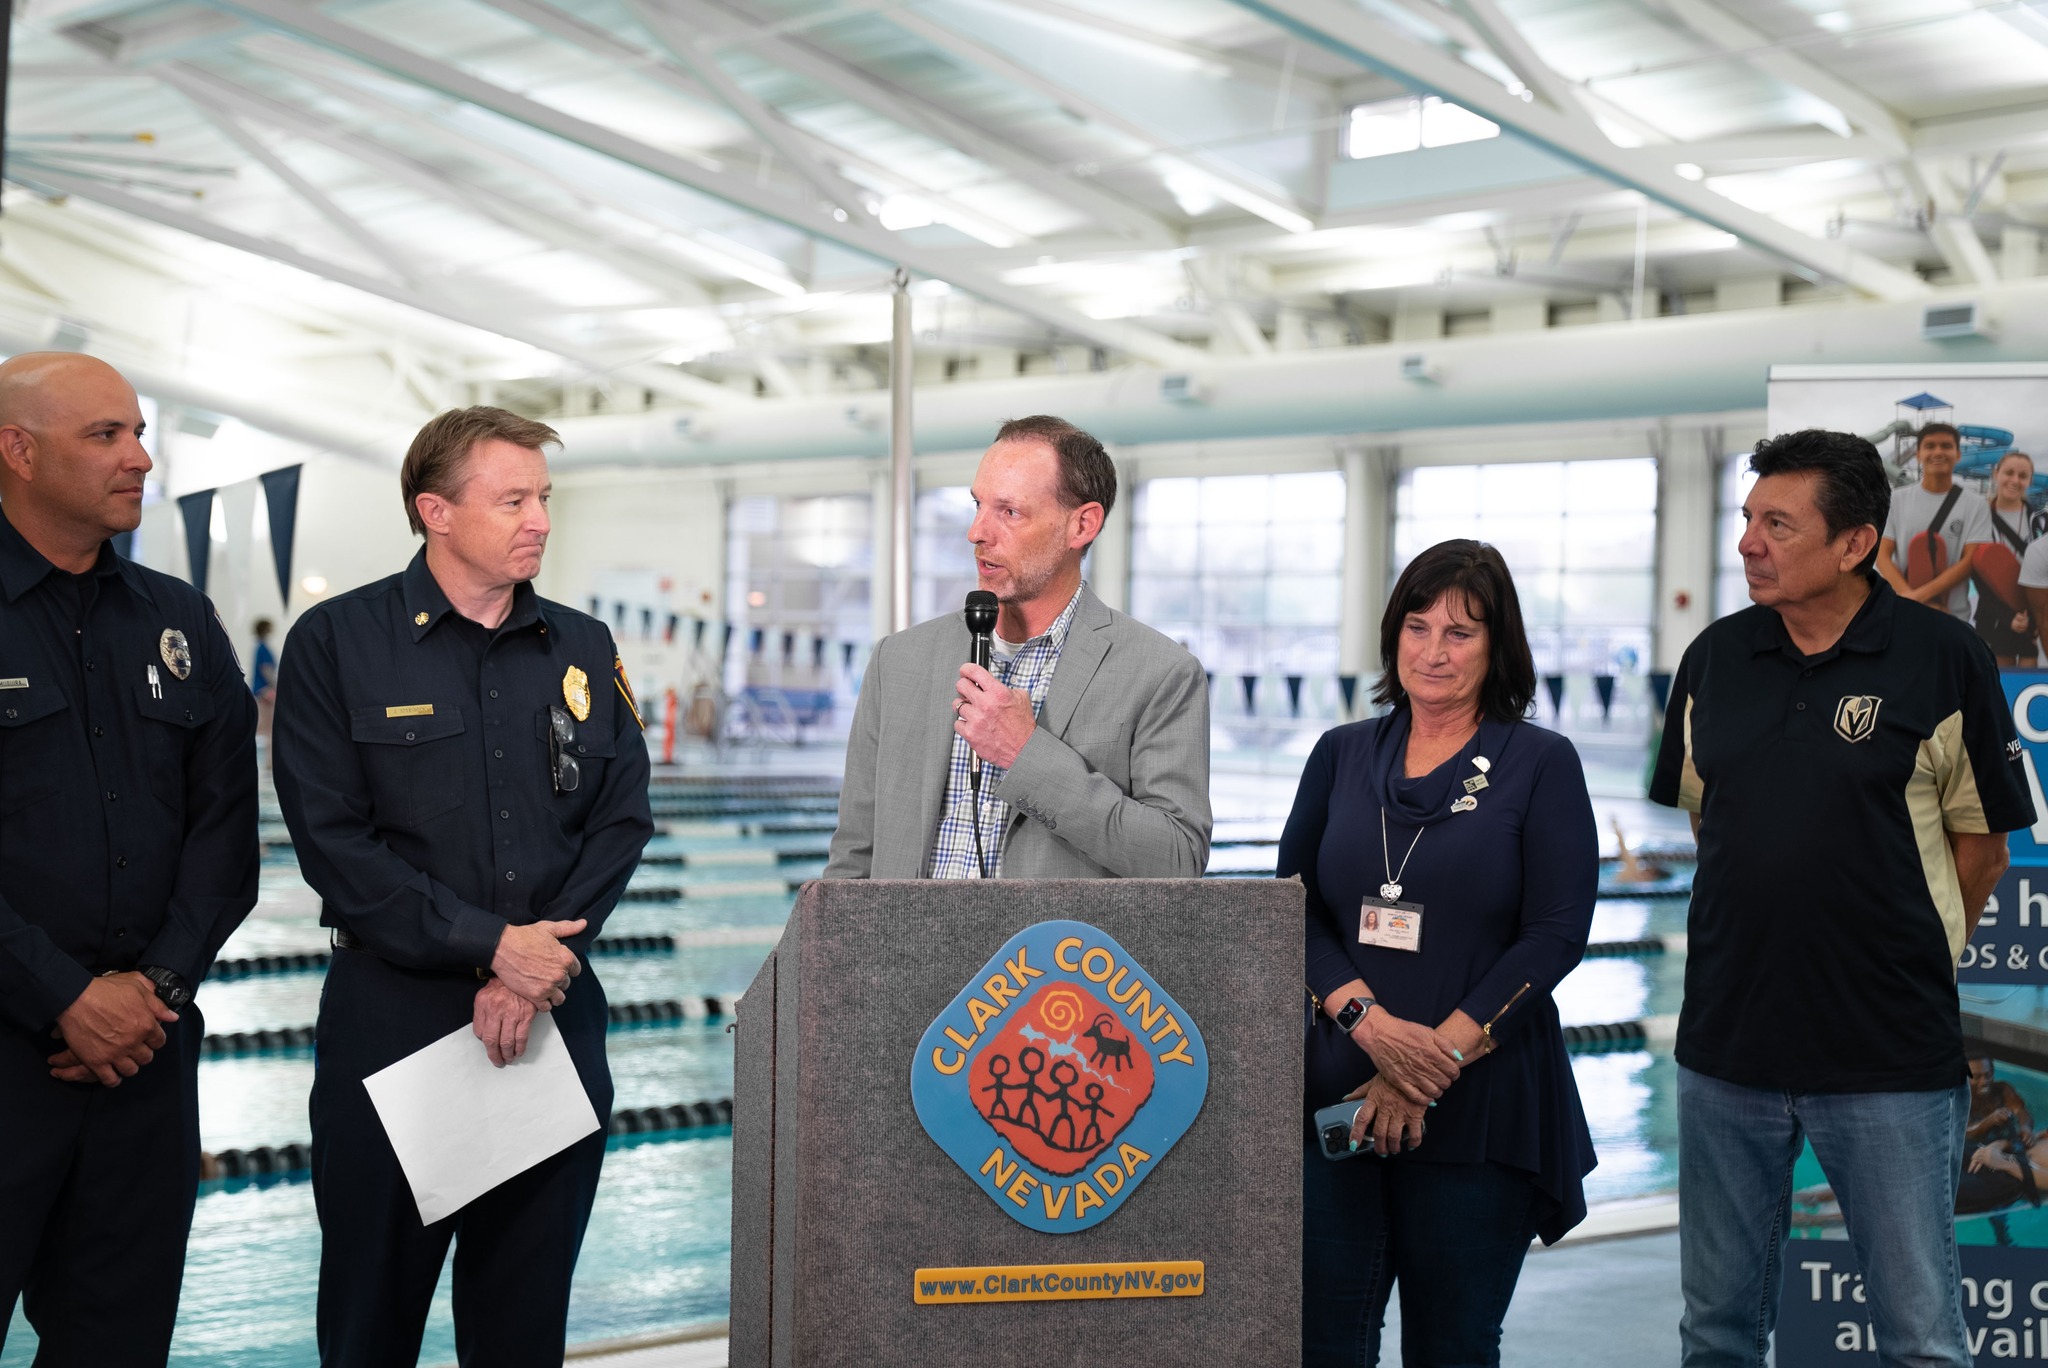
[{"x": 1389, "y": 126}]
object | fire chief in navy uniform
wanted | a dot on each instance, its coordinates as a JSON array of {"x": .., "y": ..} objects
[
  {"x": 127, "y": 856},
  {"x": 462, "y": 768}
]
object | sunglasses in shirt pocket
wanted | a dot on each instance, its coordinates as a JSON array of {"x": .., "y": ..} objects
[
  {"x": 574, "y": 754},
  {"x": 414, "y": 762}
]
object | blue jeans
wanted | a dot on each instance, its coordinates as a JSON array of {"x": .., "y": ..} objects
[
  {"x": 1451, "y": 1235},
  {"x": 1893, "y": 1161}
]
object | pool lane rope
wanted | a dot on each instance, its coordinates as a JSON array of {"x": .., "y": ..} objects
[
  {"x": 623, "y": 1016},
  {"x": 295, "y": 1160},
  {"x": 606, "y": 947}
]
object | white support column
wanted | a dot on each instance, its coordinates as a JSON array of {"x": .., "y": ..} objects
[
  {"x": 1688, "y": 469},
  {"x": 881, "y": 490},
  {"x": 1368, "y": 534},
  {"x": 902, "y": 453},
  {"x": 1109, "y": 561},
  {"x": 232, "y": 593}
]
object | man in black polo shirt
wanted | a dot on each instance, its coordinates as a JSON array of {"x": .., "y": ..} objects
[
  {"x": 127, "y": 856},
  {"x": 1850, "y": 764}
]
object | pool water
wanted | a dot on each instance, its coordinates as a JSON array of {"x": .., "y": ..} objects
[{"x": 656, "y": 1256}]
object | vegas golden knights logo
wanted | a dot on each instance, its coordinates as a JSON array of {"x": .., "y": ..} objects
[{"x": 1856, "y": 717}]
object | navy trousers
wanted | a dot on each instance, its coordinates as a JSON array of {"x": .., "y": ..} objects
[
  {"x": 96, "y": 1193},
  {"x": 515, "y": 1246},
  {"x": 1451, "y": 1236}
]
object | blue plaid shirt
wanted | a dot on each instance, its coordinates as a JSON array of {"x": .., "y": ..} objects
[{"x": 1030, "y": 669}]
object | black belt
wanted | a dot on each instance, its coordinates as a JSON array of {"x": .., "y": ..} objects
[{"x": 341, "y": 938}]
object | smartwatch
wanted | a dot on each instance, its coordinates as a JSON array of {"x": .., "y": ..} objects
[
  {"x": 170, "y": 987},
  {"x": 1353, "y": 1012}
]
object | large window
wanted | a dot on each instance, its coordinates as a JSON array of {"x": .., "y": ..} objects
[
  {"x": 1731, "y": 590},
  {"x": 797, "y": 573},
  {"x": 942, "y": 563},
  {"x": 1579, "y": 536},
  {"x": 1245, "y": 569}
]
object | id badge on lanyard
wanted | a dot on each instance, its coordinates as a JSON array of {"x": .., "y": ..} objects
[{"x": 1390, "y": 924}]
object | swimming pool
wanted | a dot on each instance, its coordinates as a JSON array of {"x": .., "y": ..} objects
[{"x": 659, "y": 1239}]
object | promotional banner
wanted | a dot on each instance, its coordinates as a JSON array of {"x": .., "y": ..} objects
[
  {"x": 2011, "y": 944},
  {"x": 1996, "y": 409},
  {"x": 1825, "y": 1309}
]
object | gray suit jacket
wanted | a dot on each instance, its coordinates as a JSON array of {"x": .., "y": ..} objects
[{"x": 1113, "y": 783}]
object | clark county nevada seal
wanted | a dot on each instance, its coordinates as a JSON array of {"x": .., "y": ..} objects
[{"x": 1060, "y": 1076}]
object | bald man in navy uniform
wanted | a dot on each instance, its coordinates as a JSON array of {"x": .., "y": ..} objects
[
  {"x": 461, "y": 765},
  {"x": 127, "y": 856}
]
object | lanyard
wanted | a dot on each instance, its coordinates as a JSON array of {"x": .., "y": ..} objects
[{"x": 1391, "y": 889}]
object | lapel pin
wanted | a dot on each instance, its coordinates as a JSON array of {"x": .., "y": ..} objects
[{"x": 1465, "y": 804}]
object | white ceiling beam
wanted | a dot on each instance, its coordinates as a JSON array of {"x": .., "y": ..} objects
[
  {"x": 1370, "y": 43},
  {"x": 1768, "y": 148},
  {"x": 647, "y": 247},
  {"x": 1985, "y": 131},
  {"x": 1947, "y": 226},
  {"x": 556, "y": 231},
  {"x": 1759, "y": 50},
  {"x": 943, "y": 126},
  {"x": 402, "y": 270},
  {"x": 820, "y": 151},
  {"x": 1242, "y": 65},
  {"x": 311, "y": 25},
  {"x": 1515, "y": 52},
  {"x": 1248, "y": 192},
  {"x": 604, "y": 43},
  {"x": 768, "y": 124},
  {"x": 1213, "y": 277},
  {"x": 776, "y": 376},
  {"x": 666, "y": 380}
]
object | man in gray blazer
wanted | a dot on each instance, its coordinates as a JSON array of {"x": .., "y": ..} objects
[{"x": 1092, "y": 729}]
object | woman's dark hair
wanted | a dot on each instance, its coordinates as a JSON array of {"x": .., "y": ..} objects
[
  {"x": 1853, "y": 491},
  {"x": 1476, "y": 572}
]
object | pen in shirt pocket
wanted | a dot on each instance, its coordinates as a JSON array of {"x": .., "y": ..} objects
[{"x": 156, "y": 685}]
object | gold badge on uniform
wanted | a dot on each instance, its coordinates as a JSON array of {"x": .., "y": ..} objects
[
  {"x": 576, "y": 693},
  {"x": 419, "y": 619},
  {"x": 176, "y": 651}
]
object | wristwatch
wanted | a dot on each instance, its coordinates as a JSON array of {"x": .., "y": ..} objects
[
  {"x": 1353, "y": 1012},
  {"x": 170, "y": 987}
]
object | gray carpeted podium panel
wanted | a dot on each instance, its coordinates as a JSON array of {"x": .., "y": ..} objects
[{"x": 839, "y": 1195}]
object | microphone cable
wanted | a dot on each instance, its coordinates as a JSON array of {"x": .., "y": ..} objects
[
  {"x": 980, "y": 615},
  {"x": 974, "y": 785}
]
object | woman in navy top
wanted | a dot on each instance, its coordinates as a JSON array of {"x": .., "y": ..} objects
[{"x": 1450, "y": 861}]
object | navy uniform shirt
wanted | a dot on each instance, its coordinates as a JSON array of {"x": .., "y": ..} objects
[
  {"x": 414, "y": 771},
  {"x": 127, "y": 779},
  {"x": 1826, "y": 916}
]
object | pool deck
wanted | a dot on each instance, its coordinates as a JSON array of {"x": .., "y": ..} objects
[{"x": 1628, "y": 1282}]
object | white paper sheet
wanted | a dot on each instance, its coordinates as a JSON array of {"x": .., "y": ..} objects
[{"x": 460, "y": 1126}]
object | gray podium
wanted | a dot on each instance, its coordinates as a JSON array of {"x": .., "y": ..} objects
[{"x": 841, "y": 1195}]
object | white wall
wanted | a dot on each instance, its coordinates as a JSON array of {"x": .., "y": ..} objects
[
  {"x": 351, "y": 530},
  {"x": 652, "y": 538}
]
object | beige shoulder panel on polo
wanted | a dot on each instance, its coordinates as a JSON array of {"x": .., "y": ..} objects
[
  {"x": 1691, "y": 788},
  {"x": 1942, "y": 796}
]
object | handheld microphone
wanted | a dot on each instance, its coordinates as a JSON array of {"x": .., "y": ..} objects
[{"x": 981, "y": 624}]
